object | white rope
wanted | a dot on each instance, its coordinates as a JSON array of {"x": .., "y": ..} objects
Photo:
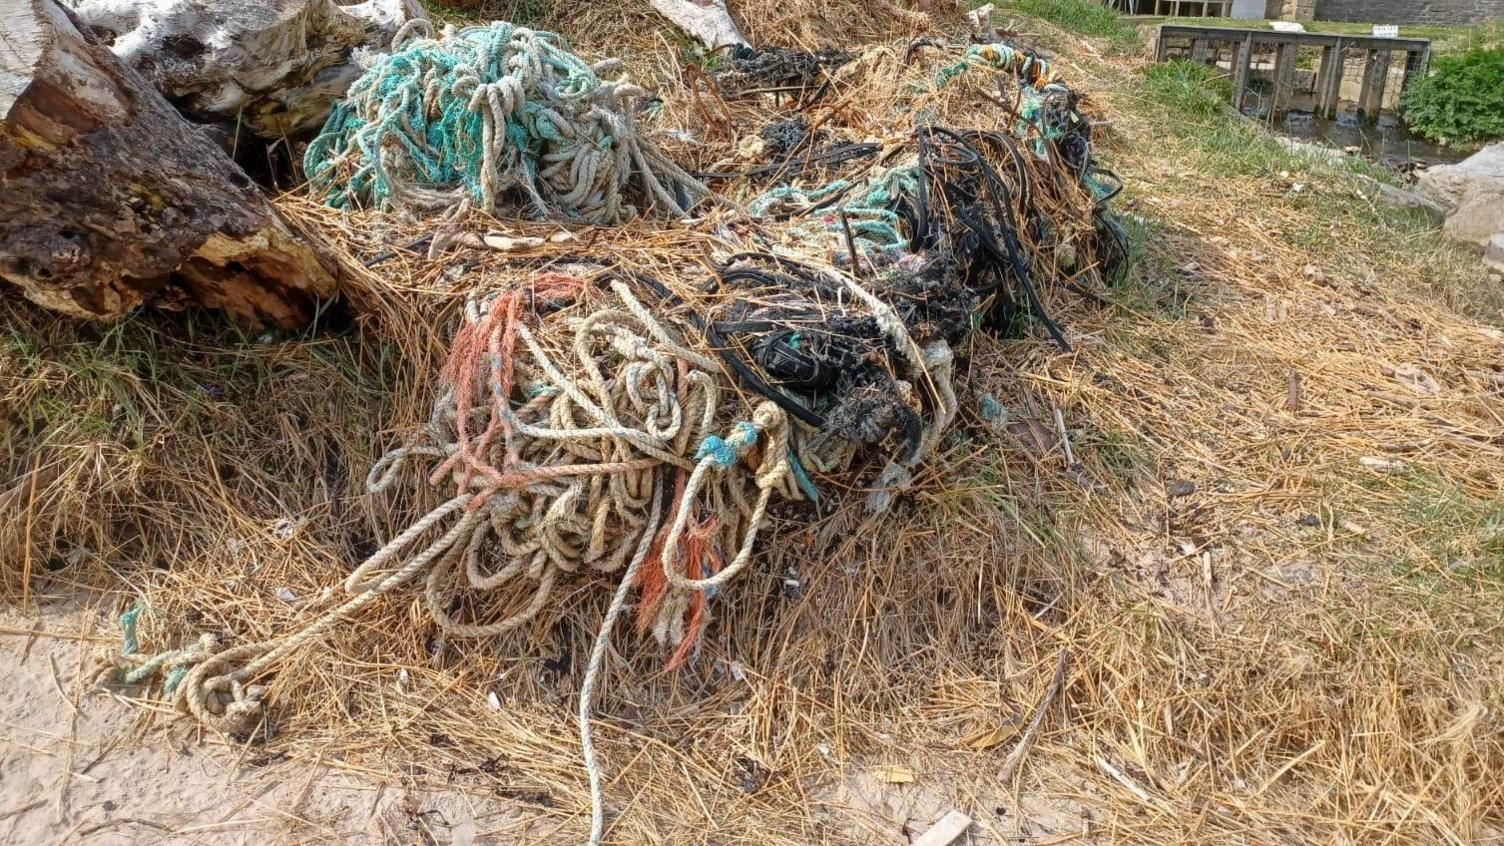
[
  {"x": 593, "y": 671},
  {"x": 569, "y": 478}
]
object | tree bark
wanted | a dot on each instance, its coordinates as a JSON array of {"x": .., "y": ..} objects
[{"x": 109, "y": 199}]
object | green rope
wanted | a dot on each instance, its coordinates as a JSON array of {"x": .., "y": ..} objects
[
  {"x": 1037, "y": 86},
  {"x": 129, "y": 642},
  {"x": 489, "y": 111},
  {"x": 136, "y": 668},
  {"x": 874, "y": 223},
  {"x": 998, "y": 56}
]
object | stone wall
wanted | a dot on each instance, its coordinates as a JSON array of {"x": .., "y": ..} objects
[
  {"x": 1299, "y": 10},
  {"x": 1410, "y": 11}
]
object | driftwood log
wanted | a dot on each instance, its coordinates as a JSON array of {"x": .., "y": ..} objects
[
  {"x": 110, "y": 199},
  {"x": 270, "y": 67}
]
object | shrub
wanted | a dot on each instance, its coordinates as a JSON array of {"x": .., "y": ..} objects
[{"x": 1462, "y": 100}]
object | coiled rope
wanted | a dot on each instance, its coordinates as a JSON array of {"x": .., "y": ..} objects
[{"x": 485, "y": 113}]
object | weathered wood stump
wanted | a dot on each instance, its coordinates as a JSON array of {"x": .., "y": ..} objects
[{"x": 110, "y": 199}]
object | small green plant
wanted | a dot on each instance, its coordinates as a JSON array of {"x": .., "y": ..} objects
[
  {"x": 1189, "y": 89},
  {"x": 1462, "y": 100},
  {"x": 1084, "y": 17}
]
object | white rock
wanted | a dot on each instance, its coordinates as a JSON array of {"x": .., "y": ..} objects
[
  {"x": 274, "y": 66},
  {"x": 1493, "y": 253},
  {"x": 1473, "y": 192}
]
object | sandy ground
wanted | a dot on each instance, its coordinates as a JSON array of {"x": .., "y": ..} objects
[{"x": 83, "y": 765}]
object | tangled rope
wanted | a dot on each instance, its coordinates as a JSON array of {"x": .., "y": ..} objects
[
  {"x": 561, "y": 428},
  {"x": 1007, "y": 210},
  {"x": 873, "y": 222},
  {"x": 577, "y": 430},
  {"x": 778, "y": 69},
  {"x": 1025, "y": 65},
  {"x": 487, "y": 112}
]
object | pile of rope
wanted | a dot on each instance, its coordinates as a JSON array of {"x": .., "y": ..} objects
[
  {"x": 602, "y": 422},
  {"x": 489, "y": 115},
  {"x": 590, "y": 426},
  {"x": 1006, "y": 211}
]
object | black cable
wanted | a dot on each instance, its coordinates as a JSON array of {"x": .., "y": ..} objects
[{"x": 740, "y": 368}]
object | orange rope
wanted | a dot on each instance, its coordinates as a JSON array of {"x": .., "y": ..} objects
[
  {"x": 495, "y": 336},
  {"x": 650, "y": 579},
  {"x": 698, "y": 550}
]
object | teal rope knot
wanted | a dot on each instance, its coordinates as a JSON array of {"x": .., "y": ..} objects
[
  {"x": 724, "y": 452},
  {"x": 995, "y": 56},
  {"x": 129, "y": 642}
]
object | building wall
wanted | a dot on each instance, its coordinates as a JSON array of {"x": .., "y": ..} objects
[{"x": 1411, "y": 11}]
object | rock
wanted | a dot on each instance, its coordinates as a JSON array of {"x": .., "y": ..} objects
[
  {"x": 1493, "y": 253},
  {"x": 1449, "y": 183},
  {"x": 707, "y": 20},
  {"x": 1473, "y": 193},
  {"x": 1479, "y": 217},
  {"x": 1179, "y": 488},
  {"x": 274, "y": 67}
]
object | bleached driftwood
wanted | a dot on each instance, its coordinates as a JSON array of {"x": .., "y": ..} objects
[
  {"x": 274, "y": 67},
  {"x": 983, "y": 31},
  {"x": 707, "y": 21},
  {"x": 110, "y": 199}
]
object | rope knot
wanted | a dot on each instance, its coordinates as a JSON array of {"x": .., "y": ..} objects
[{"x": 724, "y": 452}]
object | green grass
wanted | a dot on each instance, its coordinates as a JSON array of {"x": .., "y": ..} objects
[
  {"x": 1193, "y": 102},
  {"x": 1466, "y": 535},
  {"x": 1189, "y": 89},
  {"x": 1083, "y": 17}
]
